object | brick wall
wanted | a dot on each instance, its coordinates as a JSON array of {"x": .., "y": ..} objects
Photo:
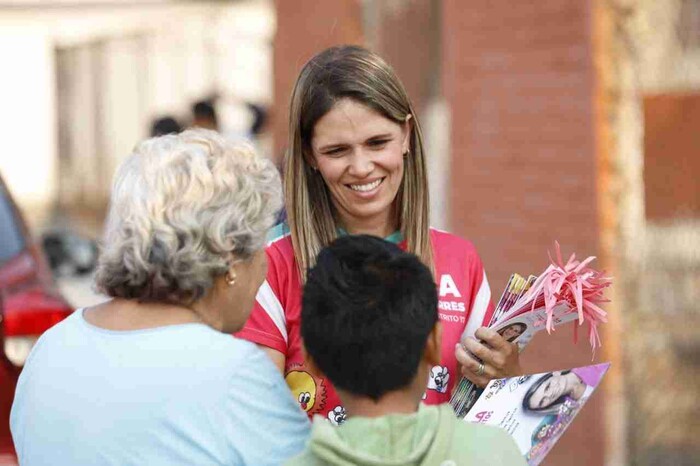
[
  {"x": 407, "y": 37},
  {"x": 520, "y": 80},
  {"x": 304, "y": 28}
]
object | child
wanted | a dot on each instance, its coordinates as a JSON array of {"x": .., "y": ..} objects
[{"x": 370, "y": 324}]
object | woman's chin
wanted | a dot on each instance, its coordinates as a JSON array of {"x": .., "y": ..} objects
[
  {"x": 366, "y": 216},
  {"x": 367, "y": 209}
]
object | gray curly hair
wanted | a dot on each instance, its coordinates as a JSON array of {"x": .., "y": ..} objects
[{"x": 183, "y": 207}]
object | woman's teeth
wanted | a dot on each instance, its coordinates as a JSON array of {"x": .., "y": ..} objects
[{"x": 366, "y": 187}]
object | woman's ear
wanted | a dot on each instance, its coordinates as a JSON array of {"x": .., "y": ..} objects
[
  {"x": 406, "y": 131},
  {"x": 433, "y": 345},
  {"x": 310, "y": 160}
]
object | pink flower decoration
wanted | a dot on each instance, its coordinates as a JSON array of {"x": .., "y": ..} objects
[{"x": 576, "y": 284}]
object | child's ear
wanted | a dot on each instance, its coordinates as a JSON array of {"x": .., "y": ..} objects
[{"x": 433, "y": 345}]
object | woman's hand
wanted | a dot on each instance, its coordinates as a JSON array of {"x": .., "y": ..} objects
[{"x": 499, "y": 357}]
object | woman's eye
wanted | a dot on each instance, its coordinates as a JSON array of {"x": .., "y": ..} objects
[
  {"x": 334, "y": 152},
  {"x": 378, "y": 142}
]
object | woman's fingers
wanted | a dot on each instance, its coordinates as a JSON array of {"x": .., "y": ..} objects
[
  {"x": 470, "y": 367},
  {"x": 499, "y": 357},
  {"x": 491, "y": 338},
  {"x": 479, "y": 350},
  {"x": 503, "y": 355}
]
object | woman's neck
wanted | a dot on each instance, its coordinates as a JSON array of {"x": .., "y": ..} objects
[{"x": 380, "y": 225}]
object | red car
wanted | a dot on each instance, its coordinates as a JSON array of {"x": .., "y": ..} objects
[{"x": 29, "y": 305}]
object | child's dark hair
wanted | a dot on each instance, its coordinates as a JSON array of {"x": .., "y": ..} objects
[{"x": 367, "y": 311}]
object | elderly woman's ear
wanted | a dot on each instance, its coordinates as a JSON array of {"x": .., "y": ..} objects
[
  {"x": 231, "y": 277},
  {"x": 231, "y": 274}
]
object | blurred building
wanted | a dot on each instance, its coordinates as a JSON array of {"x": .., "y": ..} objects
[
  {"x": 657, "y": 70},
  {"x": 84, "y": 79},
  {"x": 568, "y": 120}
]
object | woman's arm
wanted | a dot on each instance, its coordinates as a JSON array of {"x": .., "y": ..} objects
[{"x": 277, "y": 358}]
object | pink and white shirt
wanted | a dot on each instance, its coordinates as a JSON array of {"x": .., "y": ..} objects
[{"x": 464, "y": 305}]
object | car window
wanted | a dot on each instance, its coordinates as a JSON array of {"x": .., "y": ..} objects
[{"x": 11, "y": 239}]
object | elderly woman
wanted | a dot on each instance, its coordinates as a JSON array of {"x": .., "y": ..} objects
[{"x": 153, "y": 376}]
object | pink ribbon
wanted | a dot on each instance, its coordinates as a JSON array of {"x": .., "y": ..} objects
[{"x": 578, "y": 285}]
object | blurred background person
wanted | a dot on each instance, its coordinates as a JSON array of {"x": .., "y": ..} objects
[
  {"x": 204, "y": 115},
  {"x": 152, "y": 376},
  {"x": 259, "y": 119},
  {"x": 165, "y": 125}
]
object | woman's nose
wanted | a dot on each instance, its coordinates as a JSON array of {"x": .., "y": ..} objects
[{"x": 361, "y": 164}]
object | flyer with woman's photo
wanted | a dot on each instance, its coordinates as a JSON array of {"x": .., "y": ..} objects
[
  {"x": 521, "y": 328},
  {"x": 536, "y": 409}
]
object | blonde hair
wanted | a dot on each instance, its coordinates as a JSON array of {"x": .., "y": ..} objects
[
  {"x": 182, "y": 208},
  {"x": 358, "y": 74}
]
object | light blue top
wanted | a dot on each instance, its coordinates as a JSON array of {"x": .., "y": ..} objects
[{"x": 175, "y": 395}]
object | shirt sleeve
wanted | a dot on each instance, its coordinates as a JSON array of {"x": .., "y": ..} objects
[
  {"x": 267, "y": 324},
  {"x": 266, "y": 425},
  {"x": 482, "y": 307}
]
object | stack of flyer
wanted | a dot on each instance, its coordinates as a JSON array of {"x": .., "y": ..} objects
[
  {"x": 517, "y": 322},
  {"x": 536, "y": 409}
]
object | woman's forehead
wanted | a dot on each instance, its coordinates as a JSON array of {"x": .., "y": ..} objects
[{"x": 350, "y": 121}]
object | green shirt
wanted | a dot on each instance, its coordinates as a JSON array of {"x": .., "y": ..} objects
[{"x": 432, "y": 436}]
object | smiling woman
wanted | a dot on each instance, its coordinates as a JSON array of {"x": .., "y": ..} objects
[{"x": 356, "y": 165}]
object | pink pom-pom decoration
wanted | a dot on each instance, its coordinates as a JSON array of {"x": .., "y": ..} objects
[{"x": 578, "y": 285}]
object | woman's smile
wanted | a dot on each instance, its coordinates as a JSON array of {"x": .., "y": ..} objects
[{"x": 366, "y": 189}]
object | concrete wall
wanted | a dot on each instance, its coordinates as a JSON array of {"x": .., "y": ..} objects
[{"x": 657, "y": 64}]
